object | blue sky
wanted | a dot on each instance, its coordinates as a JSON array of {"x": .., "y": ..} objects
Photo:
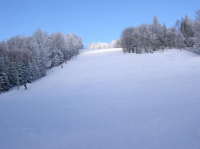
[{"x": 93, "y": 20}]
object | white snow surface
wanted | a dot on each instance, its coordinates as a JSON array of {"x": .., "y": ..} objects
[{"x": 105, "y": 99}]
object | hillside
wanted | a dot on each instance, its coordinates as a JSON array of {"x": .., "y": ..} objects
[{"x": 104, "y": 99}]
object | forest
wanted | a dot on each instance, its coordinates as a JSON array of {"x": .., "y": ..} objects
[
  {"x": 25, "y": 59},
  {"x": 185, "y": 34}
]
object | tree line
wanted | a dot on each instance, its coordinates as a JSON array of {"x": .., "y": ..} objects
[
  {"x": 150, "y": 37},
  {"x": 100, "y": 45},
  {"x": 25, "y": 59}
]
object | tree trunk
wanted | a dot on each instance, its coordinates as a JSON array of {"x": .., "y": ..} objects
[{"x": 132, "y": 50}]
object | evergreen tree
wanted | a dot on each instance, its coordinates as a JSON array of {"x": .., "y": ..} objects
[
  {"x": 36, "y": 74},
  {"x": 197, "y": 30},
  {"x": 5, "y": 84},
  {"x": 61, "y": 57},
  {"x": 12, "y": 75},
  {"x": 29, "y": 73},
  {"x": 55, "y": 60},
  {"x": 157, "y": 33},
  {"x": 188, "y": 31}
]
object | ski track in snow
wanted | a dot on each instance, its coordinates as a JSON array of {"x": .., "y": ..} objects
[{"x": 104, "y": 99}]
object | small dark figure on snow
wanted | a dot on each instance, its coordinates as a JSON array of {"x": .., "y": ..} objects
[{"x": 25, "y": 86}]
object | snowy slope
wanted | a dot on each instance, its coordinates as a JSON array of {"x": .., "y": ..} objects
[{"x": 104, "y": 99}]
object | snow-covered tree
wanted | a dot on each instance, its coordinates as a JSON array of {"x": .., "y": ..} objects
[
  {"x": 179, "y": 40},
  {"x": 171, "y": 37},
  {"x": 5, "y": 85},
  {"x": 41, "y": 48},
  {"x": 188, "y": 31},
  {"x": 197, "y": 30},
  {"x": 145, "y": 37},
  {"x": 165, "y": 36},
  {"x": 101, "y": 45},
  {"x": 28, "y": 56},
  {"x": 157, "y": 33}
]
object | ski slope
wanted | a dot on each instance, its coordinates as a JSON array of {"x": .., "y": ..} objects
[{"x": 104, "y": 99}]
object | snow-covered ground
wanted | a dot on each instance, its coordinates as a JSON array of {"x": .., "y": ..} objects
[{"x": 104, "y": 99}]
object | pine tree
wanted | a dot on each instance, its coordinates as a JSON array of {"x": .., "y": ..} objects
[
  {"x": 12, "y": 75},
  {"x": 5, "y": 84},
  {"x": 61, "y": 57},
  {"x": 55, "y": 60},
  {"x": 197, "y": 30},
  {"x": 188, "y": 31},
  {"x": 36, "y": 71},
  {"x": 157, "y": 33},
  {"x": 29, "y": 73}
]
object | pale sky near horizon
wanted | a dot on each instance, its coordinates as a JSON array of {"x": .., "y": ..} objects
[{"x": 93, "y": 20}]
